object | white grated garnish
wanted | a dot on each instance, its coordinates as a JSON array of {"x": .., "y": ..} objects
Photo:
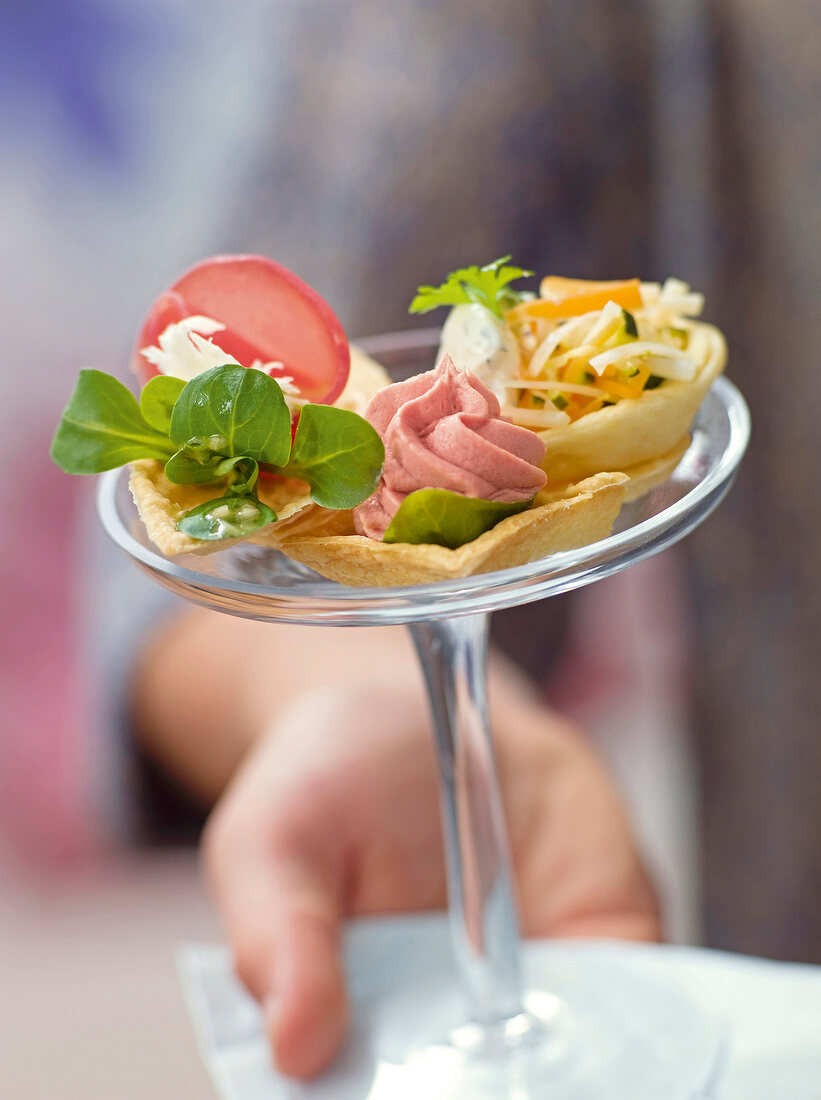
[
  {"x": 543, "y": 352},
  {"x": 679, "y": 370},
  {"x": 183, "y": 351}
]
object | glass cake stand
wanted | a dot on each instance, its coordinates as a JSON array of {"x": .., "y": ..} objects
[{"x": 574, "y": 1032}]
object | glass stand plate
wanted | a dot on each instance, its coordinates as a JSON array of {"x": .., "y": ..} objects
[
  {"x": 260, "y": 583},
  {"x": 537, "y": 1025}
]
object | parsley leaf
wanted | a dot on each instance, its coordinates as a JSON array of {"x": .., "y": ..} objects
[{"x": 488, "y": 285}]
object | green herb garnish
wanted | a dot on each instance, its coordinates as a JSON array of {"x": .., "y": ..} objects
[
  {"x": 443, "y": 518},
  {"x": 228, "y": 517},
  {"x": 197, "y": 466},
  {"x": 158, "y": 398},
  {"x": 219, "y": 428},
  {"x": 234, "y": 411},
  {"x": 102, "y": 428},
  {"x": 488, "y": 285},
  {"x": 336, "y": 455}
]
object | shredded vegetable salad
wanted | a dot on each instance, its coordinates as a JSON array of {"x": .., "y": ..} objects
[{"x": 584, "y": 345}]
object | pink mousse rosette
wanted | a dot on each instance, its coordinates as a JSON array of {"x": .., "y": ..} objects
[{"x": 445, "y": 430}]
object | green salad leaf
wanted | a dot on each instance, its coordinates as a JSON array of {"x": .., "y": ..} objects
[
  {"x": 219, "y": 428},
  {"x": 243, "y": 478},
  {"x": 234, "y": 411},
  {"x": 158, "y": 398},
  {"x": 488, "y": 285},
  {"x": 102, "y": 428},
  {"x": 338, "y": 453},
  {"x": 443, "y": 518},
  {"x": 197, "y": 466},
  {"x": 227, "y": 517}
]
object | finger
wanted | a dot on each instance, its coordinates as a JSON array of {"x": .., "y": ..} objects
[
  {"x": 283, "y": 921},
  {"x": 307, "y": 1015}
]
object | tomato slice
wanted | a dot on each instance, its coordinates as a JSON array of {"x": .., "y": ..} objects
[{"x": 270, "y": 314}]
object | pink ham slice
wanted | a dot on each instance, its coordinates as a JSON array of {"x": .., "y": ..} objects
[{"x": 269, "y": 314}]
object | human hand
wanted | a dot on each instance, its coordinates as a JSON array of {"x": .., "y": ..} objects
[{"x": 335, "y": 813}]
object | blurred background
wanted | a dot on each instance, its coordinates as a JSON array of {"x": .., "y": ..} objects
[{"x": 371, "y": 147}]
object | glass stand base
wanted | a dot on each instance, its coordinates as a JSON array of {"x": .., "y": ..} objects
[
  {"x": 603, "y": 1032},
  {"x": 611, "y": 1028},
  {"x": 617, "y": 1025}
]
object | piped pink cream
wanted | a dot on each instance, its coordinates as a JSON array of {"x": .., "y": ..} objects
[{"x": 445, "y": 430}]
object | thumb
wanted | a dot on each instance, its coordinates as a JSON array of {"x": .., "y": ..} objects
[{"x": 283, "y": 923}]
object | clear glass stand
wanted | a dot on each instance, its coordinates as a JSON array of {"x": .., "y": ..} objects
[{"x": 522, "y": 1032}]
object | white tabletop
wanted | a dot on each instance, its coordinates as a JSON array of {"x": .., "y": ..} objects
[{"x": 773, "y": 1009}]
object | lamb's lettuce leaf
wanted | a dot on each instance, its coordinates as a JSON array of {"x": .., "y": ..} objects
[
  {"x": 443, "y": 518},
  {"x": 102, "y": 427},
  {"x": 338, "y": 453}
]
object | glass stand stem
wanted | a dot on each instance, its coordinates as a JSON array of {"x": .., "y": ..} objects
[{"x": 453, "y": 654}]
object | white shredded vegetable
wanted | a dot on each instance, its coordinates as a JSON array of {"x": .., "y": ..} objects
[
  {"x": 554, "y": 384},
  {"x": 669, "y": 360},
  {"x": 569, "y": 346},
  {"x": 567, "y": 334},
  {"x": 584, "y": 351},
  {"x": 548, "y": 417},
  {"x": 606, "y": 325},
  {"x": 663, "y": 305}
]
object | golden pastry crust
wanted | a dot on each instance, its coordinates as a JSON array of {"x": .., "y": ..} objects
[
  {"x": 643, "y": 477},
  {"x": 576, "y": 516},
  {"x": 635, "y": 432}
]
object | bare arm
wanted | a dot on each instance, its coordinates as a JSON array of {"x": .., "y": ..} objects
[{"x": 209, "y": 684}]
